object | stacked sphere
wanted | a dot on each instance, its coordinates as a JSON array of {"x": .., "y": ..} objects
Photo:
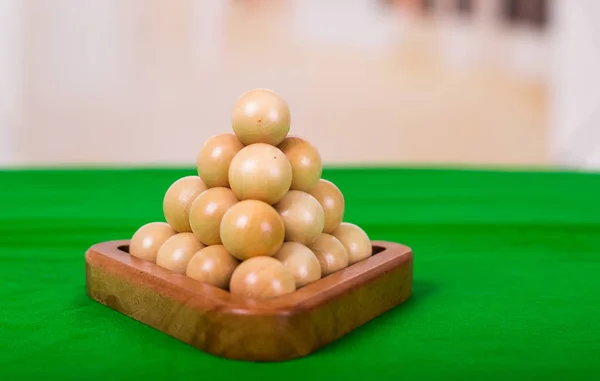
[{"x": 258, "y": 220}]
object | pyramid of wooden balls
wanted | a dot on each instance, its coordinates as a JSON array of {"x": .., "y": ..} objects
[{"x": 258, "y": 220}]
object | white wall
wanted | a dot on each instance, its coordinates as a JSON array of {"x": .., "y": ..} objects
[
  {"x": 575, "y": 105},
  {"x": 10, "y": 78},
  {"x": 141, "y": 82}
]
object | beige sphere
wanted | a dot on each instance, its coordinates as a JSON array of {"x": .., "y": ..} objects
[
  {"x": 260, "y": 172},
  {"x": 212, "y": 265},
  {"x": 148, "y": 239},
  {"x": 331, "y": 253},
  {"x": 305, "y": 160},
  {"x": 355, "y": 240},
  {"x": 178, "y": 200},
  {"x": 301, "y": 261},
  {"x": 262, "y": 278},
  {"x": 332, "y": 200},
  {"x": 177, "y": 251},
  {"x": 252, "y": 228},
  {"x": 207, "y": 211},
  {"x": 302, "y": 216},
  {"x": 214, "y": 159},
  {"x": 261, "y": 116}
]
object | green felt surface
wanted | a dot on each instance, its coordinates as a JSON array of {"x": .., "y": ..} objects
[{"x": 506, "y": 279}]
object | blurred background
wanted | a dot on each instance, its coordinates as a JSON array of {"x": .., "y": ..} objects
[{"x": 511, "y": 83}]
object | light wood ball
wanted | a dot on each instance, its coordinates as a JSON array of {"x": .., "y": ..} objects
[
  {"x": 261, "y": 116},
  {"x": 332, "y": 200},
  {"x": 207, "y": 211},
  {"x": 177, "y": 251},
  {"x": 305, "y": 160},
  {"x": 262, "y": 278},
  {"x": 252, "y": 228},
  {"x": 301, "y": 261},
  {"x": 331, "y": 253},
  {"x": 355, "y": 240},
  {"x": 178, "y": 201},
  {"x": 148, "y": 239},
  {"x": 214, "y": 159},
  {"x": 302, "y": 216},
  {"x": 212, "y": 265},
  {"x": 260, "y": 172}
]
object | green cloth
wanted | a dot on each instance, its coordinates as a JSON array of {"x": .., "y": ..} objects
[{"x": 506, "y": 279}]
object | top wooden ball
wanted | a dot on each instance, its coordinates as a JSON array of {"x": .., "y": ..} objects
[{"x": 261, "y": 116}]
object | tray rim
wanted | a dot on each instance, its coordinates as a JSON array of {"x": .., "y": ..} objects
[{"x": 204, "y": 296}]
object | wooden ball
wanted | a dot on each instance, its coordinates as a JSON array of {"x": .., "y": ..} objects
[
  {"x": 178, "y": 200},
  {"x": 261, "y": 116},
  {"x": 252, "y": 228},
  {"x": 332, "y": 200},
  {"x": 302, "y": 216},
  {"x": 177, "y": 251},
  {"x": 331, "y": 253},
  {"x": 260, "y": 172},
  {"x": 262, "y": 278},
  {"x": 355, "y": 240},
  {"x": 148, "y": 239},
  {"x": 301, "y": 261},
  {"x": 207, "y": 211},
  {"x": 305, "y": 160},
  {"x": 214, "y": 159},
  {"x": 212, "y": 265}
]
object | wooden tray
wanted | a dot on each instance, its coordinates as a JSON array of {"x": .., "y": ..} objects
[{"x": 225, "y": 325}]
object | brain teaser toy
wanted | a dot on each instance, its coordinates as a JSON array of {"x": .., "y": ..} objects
[{"x": 253, "y": 260}]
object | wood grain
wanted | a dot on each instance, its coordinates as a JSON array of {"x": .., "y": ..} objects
[{"x": 217, "y": 322}]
